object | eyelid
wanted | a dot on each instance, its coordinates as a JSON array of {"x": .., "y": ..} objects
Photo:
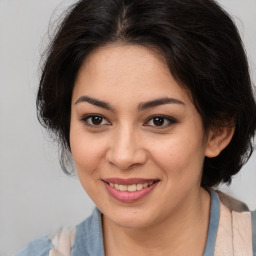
[
  {"x": 105, "y": 122},
  {"x": 170, "y": 120},
  {"x": 85, "y": 118}
]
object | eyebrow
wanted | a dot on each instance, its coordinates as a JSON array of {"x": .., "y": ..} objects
[
  {"x": 142, "y": 106},
  {"x": 98, "y": 103},
  {"x": 158, "y": 102}
]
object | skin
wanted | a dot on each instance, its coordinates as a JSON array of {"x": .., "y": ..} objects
[{"x": 127, "y": 143}]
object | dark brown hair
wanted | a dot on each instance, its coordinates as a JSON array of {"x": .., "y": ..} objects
[{"x": 201, "y": 46}]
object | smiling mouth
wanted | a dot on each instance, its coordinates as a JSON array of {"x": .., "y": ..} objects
[
  {"x": 129, "y": 190},
  {"x": 132, "y": 187}
]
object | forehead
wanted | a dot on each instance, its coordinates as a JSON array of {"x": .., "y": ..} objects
[{"x": 128, "y": 71}]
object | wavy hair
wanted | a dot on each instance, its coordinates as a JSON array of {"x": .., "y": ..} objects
[{"x": 198, "y": 41}]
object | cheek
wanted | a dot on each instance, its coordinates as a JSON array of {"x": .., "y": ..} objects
[
  {"x": 180, "y": 157},
  {"x": 86, "y": 151},
  {"x": 87, "y": 155}
]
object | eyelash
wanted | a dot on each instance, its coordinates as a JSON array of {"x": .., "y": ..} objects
[
  {"x": 167, "y": 119},
  {"x": 164, "y": 118},
  {"x": 86, "y": 121}
]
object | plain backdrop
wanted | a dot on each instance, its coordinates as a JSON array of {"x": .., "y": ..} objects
[{"x": 35, "y": 196}]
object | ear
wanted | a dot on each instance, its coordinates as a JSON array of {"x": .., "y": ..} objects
[{"x": 218, "y": 139}]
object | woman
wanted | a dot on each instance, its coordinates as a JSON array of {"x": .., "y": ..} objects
[{"x": 153, "y": 102}]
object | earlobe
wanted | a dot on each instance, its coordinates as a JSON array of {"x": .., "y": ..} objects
[{"x": 218, "y": 139}]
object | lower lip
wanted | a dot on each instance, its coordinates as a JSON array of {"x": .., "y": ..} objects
[{"x": 129, "y": 197}]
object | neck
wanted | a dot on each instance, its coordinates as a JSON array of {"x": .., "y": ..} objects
[{"x": 183, "y": 233}]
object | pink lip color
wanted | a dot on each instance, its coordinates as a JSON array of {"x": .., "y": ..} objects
[
  {"x": 128, "y": 197},
  {"x": 128, "y": 181}
]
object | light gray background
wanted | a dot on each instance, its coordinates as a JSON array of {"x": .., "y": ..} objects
[{"x": 35, "y": 196}]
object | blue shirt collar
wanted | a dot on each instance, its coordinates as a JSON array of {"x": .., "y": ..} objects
[{"x": 89, "y": 235}]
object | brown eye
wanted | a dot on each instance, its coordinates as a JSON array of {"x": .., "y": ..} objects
[
  {"x": 160, "y": 121},
  {"x": 95, "y": 120}
]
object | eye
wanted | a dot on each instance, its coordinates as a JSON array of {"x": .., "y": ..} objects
[
  {"x": 160, "y": 121},
  {"x": 95, "y": 120}
]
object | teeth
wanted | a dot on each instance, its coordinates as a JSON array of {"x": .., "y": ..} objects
[
  {"x": 139, "y": 187},
  {"x": 145, "y": 185},
  {"x": 130, "y": 188},
  {"x": 123, "y": 187}
]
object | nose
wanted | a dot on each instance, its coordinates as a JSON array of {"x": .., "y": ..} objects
[{"x": 126, "y": 150}]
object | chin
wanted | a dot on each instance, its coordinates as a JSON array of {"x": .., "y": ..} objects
[
  {"x": 130, "y": 218},
  {"x": 132, "y": 223}
]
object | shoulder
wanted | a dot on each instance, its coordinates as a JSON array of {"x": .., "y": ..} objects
[
  {"x": 89, "y": 236},
  {"x": 60, "y": 244},
  {"x": 85, "y": 239},
  {"x": 237, "y": 227},
  {"x": 232, "y": 203},
  {"x": 38, "y": 247}
]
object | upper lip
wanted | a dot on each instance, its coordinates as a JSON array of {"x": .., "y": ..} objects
[{"x": 130, "y": 181}]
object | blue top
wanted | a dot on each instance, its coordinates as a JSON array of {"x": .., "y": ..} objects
[{"x": 89, "y": 237}]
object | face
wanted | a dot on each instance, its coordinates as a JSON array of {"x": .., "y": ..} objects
[{"x": 137, "y": 141}]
